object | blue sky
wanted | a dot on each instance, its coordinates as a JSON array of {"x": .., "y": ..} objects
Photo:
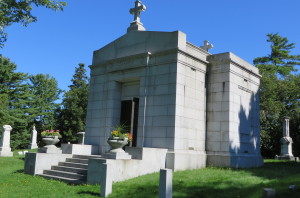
[{"x": 58, "y": 41}]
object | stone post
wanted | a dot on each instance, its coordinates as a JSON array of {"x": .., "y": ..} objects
[
  {"x": 106, "y": 180},
  {"x": 33, "y": 144},
  {"x": 165, "y": 183},
  {"x": 5, "y": 149}
]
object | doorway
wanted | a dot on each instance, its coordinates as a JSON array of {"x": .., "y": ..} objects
[{"x": 129, "y": 117}]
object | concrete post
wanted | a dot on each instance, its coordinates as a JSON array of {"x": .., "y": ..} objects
[
  {"x": 106, "y": 180},
  {"x": 165, "y": 183}
]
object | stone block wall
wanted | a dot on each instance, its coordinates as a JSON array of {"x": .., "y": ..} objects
[{"x": 232, "y": 112}]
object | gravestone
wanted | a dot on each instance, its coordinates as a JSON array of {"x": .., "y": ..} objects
[
  {"x": 33, "y": 144},
  {"x": 286, "y": 142},
  {"x": 5, "y": 150}
]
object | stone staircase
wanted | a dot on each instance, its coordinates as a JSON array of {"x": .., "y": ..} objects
[{"x": 73, "y": 170}]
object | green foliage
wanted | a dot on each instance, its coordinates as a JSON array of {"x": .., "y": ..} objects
[
  {"x": 25, "y": 101},
  {"x": 45, "y": 91},
  {"x": 279, "y": 94},
  {"x": 70, "y": 118},
  {"x": 20, "y": 11},
  {"x": 14, "y": 96}
]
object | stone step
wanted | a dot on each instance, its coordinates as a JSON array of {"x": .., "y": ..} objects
[
  {"x": 64, "y": 174},
  {"x": 77, "y": 160},
  {"x": 64, "y": 179},
  {"x": 72, "y": 164},
  {"x": 88, "y": 156},
  {"x": 81, "y": 171}
]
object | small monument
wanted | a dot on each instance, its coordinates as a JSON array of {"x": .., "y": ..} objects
[
  {"x": 5, "y": 150},
  {"x": 33, "y": 144},
  {"x": 286, "y": 142}
]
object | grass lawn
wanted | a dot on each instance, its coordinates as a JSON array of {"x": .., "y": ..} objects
[{"x": 210, "y": 182}]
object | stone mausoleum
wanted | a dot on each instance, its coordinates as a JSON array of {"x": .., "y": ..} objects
[
  {"x": 186, "y": 109},
  {"x": 203, "y": 108}
]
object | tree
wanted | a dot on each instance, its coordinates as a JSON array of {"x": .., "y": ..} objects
[
  {"x": 26, "y": 100},
  {"x": 19, "y": 11},
  {"x": 72, "y": 115},
  {"x": 279, "y": 93},
  {"x": 43, "y": 105},
  {"x": 14, "y": 97}
]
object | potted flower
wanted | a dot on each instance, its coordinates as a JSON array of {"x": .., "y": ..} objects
[
  {"x": 119, "y": 138},
  {"x": 50, "y": 137}
]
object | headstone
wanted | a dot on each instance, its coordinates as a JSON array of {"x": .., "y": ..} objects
[
  {"x": 5, "y": 150},
  {"x": 33, "y": 144},
  {"x": 81, "y": 137},
  {"x": 106, "y": 180},
  {"x": 136, "y": 25},
  {"x": 165, "y": 183},
  {"x": 269, "y": 192},
  {"x": 286, "y": 142}
]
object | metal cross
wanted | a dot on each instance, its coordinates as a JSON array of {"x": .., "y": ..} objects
[{"x": 136, "y": 11}]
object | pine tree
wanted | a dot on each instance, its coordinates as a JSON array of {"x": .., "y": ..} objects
[
  {"x": 279, "y": 93},
  {"x": 15, "y": 99},
  {"x": 45, "y": 90},
  {"x": 72, "y": 115}
]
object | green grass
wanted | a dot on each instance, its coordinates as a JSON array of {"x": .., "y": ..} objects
[{"x": 210, "y": 182}]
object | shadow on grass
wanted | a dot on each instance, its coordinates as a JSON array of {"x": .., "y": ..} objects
[
  {"x": 89, "y": 193},
  {"x": 276, "y": 170},
  {"x": 221, "y": 182},
  {"x": 19, "y": 171}
]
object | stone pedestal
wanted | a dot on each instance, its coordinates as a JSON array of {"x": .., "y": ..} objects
[
  {"x": 286, "y": 142},
  {"x": 79, "y": 149},
  {"x": 33, "y": 144},
  {"x": 5, "y": 150},
  {"x": 118, "y": 155},
  {"x": 50, "y": 149}
]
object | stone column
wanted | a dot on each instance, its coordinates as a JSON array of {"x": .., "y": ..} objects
[
  {"x": 5, "y": 150},
  {"x": 286, "y": 141},
  {"x": 33, "y": 144}
]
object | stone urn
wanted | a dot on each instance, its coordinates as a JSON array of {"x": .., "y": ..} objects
[
  {"x": 117, "y": 144},
  {"x": 50, "y": 147},
  {"x": 50, "y": 141}
]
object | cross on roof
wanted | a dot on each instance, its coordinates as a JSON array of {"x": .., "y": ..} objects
[
  {"x": 207, "y": 46},
  {"x": 136, "y": 25},
  {"x": 136, "y": 11}
]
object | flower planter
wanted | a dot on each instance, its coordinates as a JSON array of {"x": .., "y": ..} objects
[
  {"x": 50, "y": 141},
  {"x": 117, "y": 144}
]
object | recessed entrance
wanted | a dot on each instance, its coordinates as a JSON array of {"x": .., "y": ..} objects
[{"x": 129, "y": 117}]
